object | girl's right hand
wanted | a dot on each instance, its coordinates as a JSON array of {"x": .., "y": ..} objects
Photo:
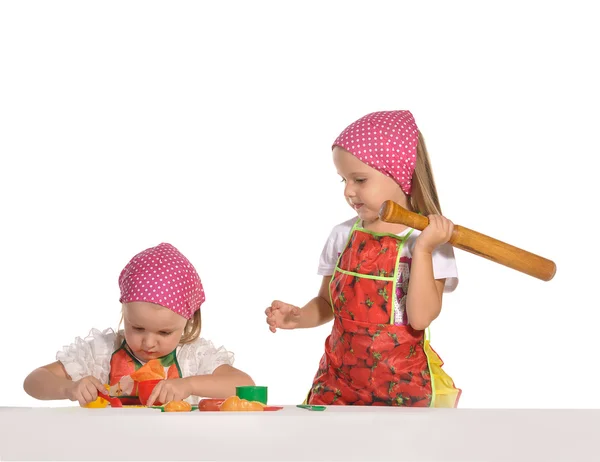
[
  {"x": 85, "y": 390},
  {"x": 282, "y": 315}
]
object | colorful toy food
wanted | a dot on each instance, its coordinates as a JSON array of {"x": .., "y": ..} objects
[
  {"x": 210, "y": 404},
  {"x": 114, "y": 402},
  {"x": 145, "y": 389},
  {"x": 152, "y": 370},
  {"x": 100, "y": 401},
  {"x": 147, "y": 377},
  {"x": 234, "y": 403},
  {"x": 178, "y": 406}
]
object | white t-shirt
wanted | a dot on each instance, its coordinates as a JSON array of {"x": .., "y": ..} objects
[
  {"x": 91, "y": 356},
  {"x": 444, "y": 264}
]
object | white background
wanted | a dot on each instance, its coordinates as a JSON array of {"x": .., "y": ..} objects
[{"x": 208, "y": 125}]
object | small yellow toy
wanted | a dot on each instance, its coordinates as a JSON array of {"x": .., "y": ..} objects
[{"x": 99, "y": 402}]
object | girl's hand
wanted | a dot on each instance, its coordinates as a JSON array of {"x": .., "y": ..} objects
[
  {"x": 282, "y": 316},
  {"x": 170, "y": 390},
  {"x": 438, "y": 232},
  {"x": 85, "y": 390}
]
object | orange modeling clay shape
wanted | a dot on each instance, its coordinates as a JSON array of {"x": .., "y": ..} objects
[
  {"x": 234, "y": 403},
  {"x": 152, "y": 370},
  {"x": 178, "y": 406}
]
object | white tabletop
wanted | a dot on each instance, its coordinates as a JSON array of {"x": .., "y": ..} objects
[{"x": 338, "y": 433}]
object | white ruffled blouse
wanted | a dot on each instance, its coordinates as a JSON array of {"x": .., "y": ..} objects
[{"x": 91, "y": 356}]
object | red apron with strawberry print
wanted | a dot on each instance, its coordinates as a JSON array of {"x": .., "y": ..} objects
[
  {"x": 123, "y": 363},
  {"x": 373, "y": 357}
]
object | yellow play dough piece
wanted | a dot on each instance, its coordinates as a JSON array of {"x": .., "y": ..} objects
[{"x": 98, "y": 403}]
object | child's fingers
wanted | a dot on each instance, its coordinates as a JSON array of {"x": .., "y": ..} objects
[
  {"x": 165, "y": 396},
  {"x": 434, "y": 221},
  {"x": 442, "y": 227},
  {"x": 99, "y": 385},
  {"x": 446, "y": 227},
  {"x": 169, "y": 396},
  {"x": 439, "y": 225},
  {"x": 77, "y": 396},
  {"x": 284, "y": 308},
  {"x": 278, "y": 305},
  {"x": 87, "y": 396},
  {"x": 280, "y": 314},
  {"x": 272, "y": 324},
  {"x": 271, "y": 321},
  {"x": 272, "y": 311},
  {"x": 96, "y": 386}
]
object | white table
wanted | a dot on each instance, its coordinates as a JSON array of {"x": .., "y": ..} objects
[{"x": 339, "y": 433}]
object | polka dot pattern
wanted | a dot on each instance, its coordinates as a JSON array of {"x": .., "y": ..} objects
[
  {"x": 386, "y": 141},
  {"x": 162, "y": 275}
]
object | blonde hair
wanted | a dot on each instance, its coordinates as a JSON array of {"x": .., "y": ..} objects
[
  {"x": 191, "y": 331},
  {"x": 424, "y": 197}
]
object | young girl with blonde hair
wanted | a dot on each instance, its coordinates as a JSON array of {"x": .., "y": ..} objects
[
  {"x": 161, "y": 295},
  {"x": 382, "y": 283}
]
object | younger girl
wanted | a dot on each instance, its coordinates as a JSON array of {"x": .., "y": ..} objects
[
  {"x": 382, "y": 283},
  {"x": 161, "y": 294}
]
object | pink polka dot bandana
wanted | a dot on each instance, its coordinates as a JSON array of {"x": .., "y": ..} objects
[
  {"x": 386, "y": 141},
  {"x": 162, "y": 275}
]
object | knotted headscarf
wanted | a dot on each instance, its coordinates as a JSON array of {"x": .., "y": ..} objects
[
  {"x": 386, "y": 141},
  {"x": 162, "y": 275}
]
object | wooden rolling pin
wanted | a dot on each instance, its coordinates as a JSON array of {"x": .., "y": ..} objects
[{"x": 476, "y": 243}]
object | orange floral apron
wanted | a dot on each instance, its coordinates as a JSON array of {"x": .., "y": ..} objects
[
  {"x": 123, "y": 363},
  {"x": 372, "y": 356}
]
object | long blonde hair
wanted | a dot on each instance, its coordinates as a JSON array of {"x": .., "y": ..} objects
[
  {"x": 191, "y": 331},
  {"x": 424, "y": 197}
]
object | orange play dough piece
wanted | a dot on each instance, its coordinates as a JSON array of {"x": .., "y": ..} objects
[
  {"x": 178, "y": 406},
  {"x": 152, "y": 370},
  {"x": 234, "y": 403}
]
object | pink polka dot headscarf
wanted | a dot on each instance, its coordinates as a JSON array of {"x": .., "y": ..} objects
[
  {"x": 386, "y": 141},
  {"x": 162, "y": 275}
]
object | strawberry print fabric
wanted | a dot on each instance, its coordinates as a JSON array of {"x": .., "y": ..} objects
[{"x": 368, "y": 359}]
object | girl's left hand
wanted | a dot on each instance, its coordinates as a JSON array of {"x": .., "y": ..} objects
[
  {"x": 438, "y": 232},
  {"x": 169, "y": 390}
]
